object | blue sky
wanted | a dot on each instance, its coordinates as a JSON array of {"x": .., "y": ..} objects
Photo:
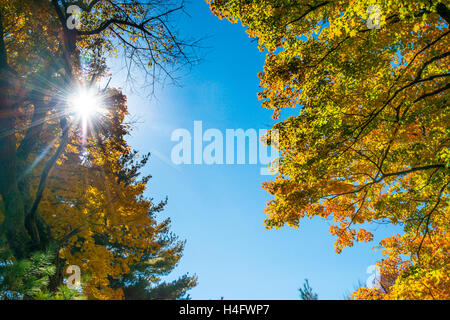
[{"x": 218, "y": 209}]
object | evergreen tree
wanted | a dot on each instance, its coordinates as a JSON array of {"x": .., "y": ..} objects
[
  {"x": 66, "y": 182},
  {"x": 307, "y": 293}
]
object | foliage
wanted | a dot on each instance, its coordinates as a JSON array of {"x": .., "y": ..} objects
[
  {"x": 30, "y": 278},
  {"x": 426, "y": 278},
  {"x": 370, "y": 143},
  {"x": 96, "y": 196},
  {"x": 174, "y": 290},
  {"x": 307, "y": 293},
  {"x": 69, "y": 185}
]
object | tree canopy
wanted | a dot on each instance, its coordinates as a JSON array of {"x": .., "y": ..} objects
[
  {"x": 70, "y": 187},
  {"x": 370, "y": 143}
]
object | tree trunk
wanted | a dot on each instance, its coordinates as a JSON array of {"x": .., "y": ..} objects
[{"x": 17, "y": 236}]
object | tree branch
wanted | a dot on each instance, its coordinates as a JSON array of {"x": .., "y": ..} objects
[
  {"x": 140, "y": 26},
  {"x": 49, "y": 165}
]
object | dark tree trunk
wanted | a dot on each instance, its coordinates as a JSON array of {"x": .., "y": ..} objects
[{"x": 22, "y": 233}]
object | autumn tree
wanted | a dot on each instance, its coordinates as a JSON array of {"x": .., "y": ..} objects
[
  {"x": 370, "y": 142},
  {"x": 50, "y": 52}
]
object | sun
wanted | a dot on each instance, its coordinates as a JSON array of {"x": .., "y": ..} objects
[{"x": 85, "y": 103}]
